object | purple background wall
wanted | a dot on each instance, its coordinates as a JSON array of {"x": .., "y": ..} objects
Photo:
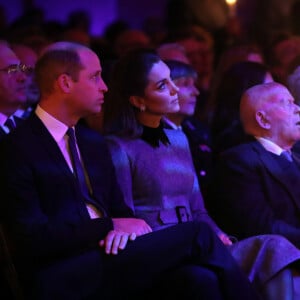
[{"x": 102, "y": 12}]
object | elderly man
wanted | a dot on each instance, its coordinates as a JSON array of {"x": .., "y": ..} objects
[
  {"x": 257, "y": 189},
  {"x": 28, "y": 57}
]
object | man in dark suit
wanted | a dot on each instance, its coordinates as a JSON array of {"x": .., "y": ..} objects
[
  {"x": 12, "y": 95},
  {"x": 71, "y": 245},
  {"x": 257, "y": 189},
  {"x": 13, "y": 80}
]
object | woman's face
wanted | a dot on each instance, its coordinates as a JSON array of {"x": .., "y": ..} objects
[
  {"x": 187, "y": 95},
  {"x": 160, "y": 95}
]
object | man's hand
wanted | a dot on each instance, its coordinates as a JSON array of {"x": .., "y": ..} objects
[
  {"x": 115, "y": 241},
  {"x": 131, "y": 225},
  {"x": 124, "y": 229}
]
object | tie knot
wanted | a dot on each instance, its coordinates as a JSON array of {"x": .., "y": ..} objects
[
  {"x": 287, "y": 155},
  {"x": 71, "y": 133}
]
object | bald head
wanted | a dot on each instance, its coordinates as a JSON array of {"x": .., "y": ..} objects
[
  {"x": 268, "y": 110},
  {"x": 255, "y": 99}
]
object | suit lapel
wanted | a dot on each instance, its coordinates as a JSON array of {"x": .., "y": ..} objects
[
  {"x": 51, "y": 154},
  {"x": 285, "y": 172},
  {"x": 90, "y": 155},
  {"x": 2, "y": 132},
  {"x": 49, "y": 145},
  {"x": 18, "y": 120}
]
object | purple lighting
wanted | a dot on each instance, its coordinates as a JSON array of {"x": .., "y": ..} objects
[{"x": 101, "y": 12}]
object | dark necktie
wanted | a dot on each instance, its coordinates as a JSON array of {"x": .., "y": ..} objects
[
  {"x": 10, "y": 124},
  {"x": 287, "y": 155},
  {"x": 79, "y": 172}
]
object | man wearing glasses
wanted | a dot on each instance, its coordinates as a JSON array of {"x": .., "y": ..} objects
[{"x": 13, "y": 76}]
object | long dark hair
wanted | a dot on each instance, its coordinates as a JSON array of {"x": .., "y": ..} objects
[{"x": 129, "y": 78}]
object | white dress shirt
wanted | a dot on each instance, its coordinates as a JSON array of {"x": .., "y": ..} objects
[
  {"x": 270, "y": 146},
  {"x": 58, "y": 131}
]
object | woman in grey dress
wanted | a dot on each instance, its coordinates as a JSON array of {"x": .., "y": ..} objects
[{"x": 156, "y": 173}]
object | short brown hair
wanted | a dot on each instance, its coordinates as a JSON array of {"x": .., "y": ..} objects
[{"x": 54, "y": 63}]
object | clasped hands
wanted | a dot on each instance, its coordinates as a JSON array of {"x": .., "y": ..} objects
[{"x": 125, "y": 229}]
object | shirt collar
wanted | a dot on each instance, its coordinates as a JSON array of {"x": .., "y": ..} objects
[
  {"x": 3, "y": 118},
  {"x": 269, "y": 145},
  {"x": 19, "y": 112},
  {"x": 56, "y": 128},
  {"x": 171, "y": 124}
]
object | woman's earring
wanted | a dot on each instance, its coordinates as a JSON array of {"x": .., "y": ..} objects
[{"x": 142, "y": 108}]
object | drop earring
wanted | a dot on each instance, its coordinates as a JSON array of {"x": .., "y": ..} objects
[{"x": 142, "y": 108}]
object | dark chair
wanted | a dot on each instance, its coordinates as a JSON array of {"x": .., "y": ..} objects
[{"x": 10, "y": 287}]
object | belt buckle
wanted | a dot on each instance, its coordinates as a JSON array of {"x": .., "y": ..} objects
[{"x": 182, "y": 214}]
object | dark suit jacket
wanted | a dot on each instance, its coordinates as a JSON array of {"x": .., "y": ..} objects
[
  {"x": 49, "y": 213},
  {"x": 40, "y": 201},
  {"x": 257, "y": 192},
  {"x": 18, "y": 122}
]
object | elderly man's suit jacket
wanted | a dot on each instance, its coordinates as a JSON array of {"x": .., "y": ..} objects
[{"x": 257, "y": 192}]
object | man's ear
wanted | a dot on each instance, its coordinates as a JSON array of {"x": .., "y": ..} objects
[
  {"x": 137, "y": 102},
  {"x": 262, "y": 120},
  {"x": 64, "y": 82}
]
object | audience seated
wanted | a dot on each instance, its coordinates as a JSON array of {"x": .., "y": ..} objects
[
  {"x": 13, "y": 79},
  {"x": 28, "y": 57},
  {"x": 74, "y": 236},
  {"x": 249, "y": 178},
  {"x": 231, "y": 55},
  {"x": 280, "y": 53},
  {"x": 155, "y": 170}
]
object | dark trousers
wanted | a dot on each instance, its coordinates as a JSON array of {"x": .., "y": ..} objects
[{"x": 186, "y": 261}]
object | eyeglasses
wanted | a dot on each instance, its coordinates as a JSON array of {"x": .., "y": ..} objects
[{"x": 14, "y": 69}]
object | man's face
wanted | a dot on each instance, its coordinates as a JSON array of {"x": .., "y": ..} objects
[
  {"x": 12, "y": 81},
  {"x": 284, "y": 118},
  {"x": 88, "y": 91},
  {"x": 28, "y": 57}
]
